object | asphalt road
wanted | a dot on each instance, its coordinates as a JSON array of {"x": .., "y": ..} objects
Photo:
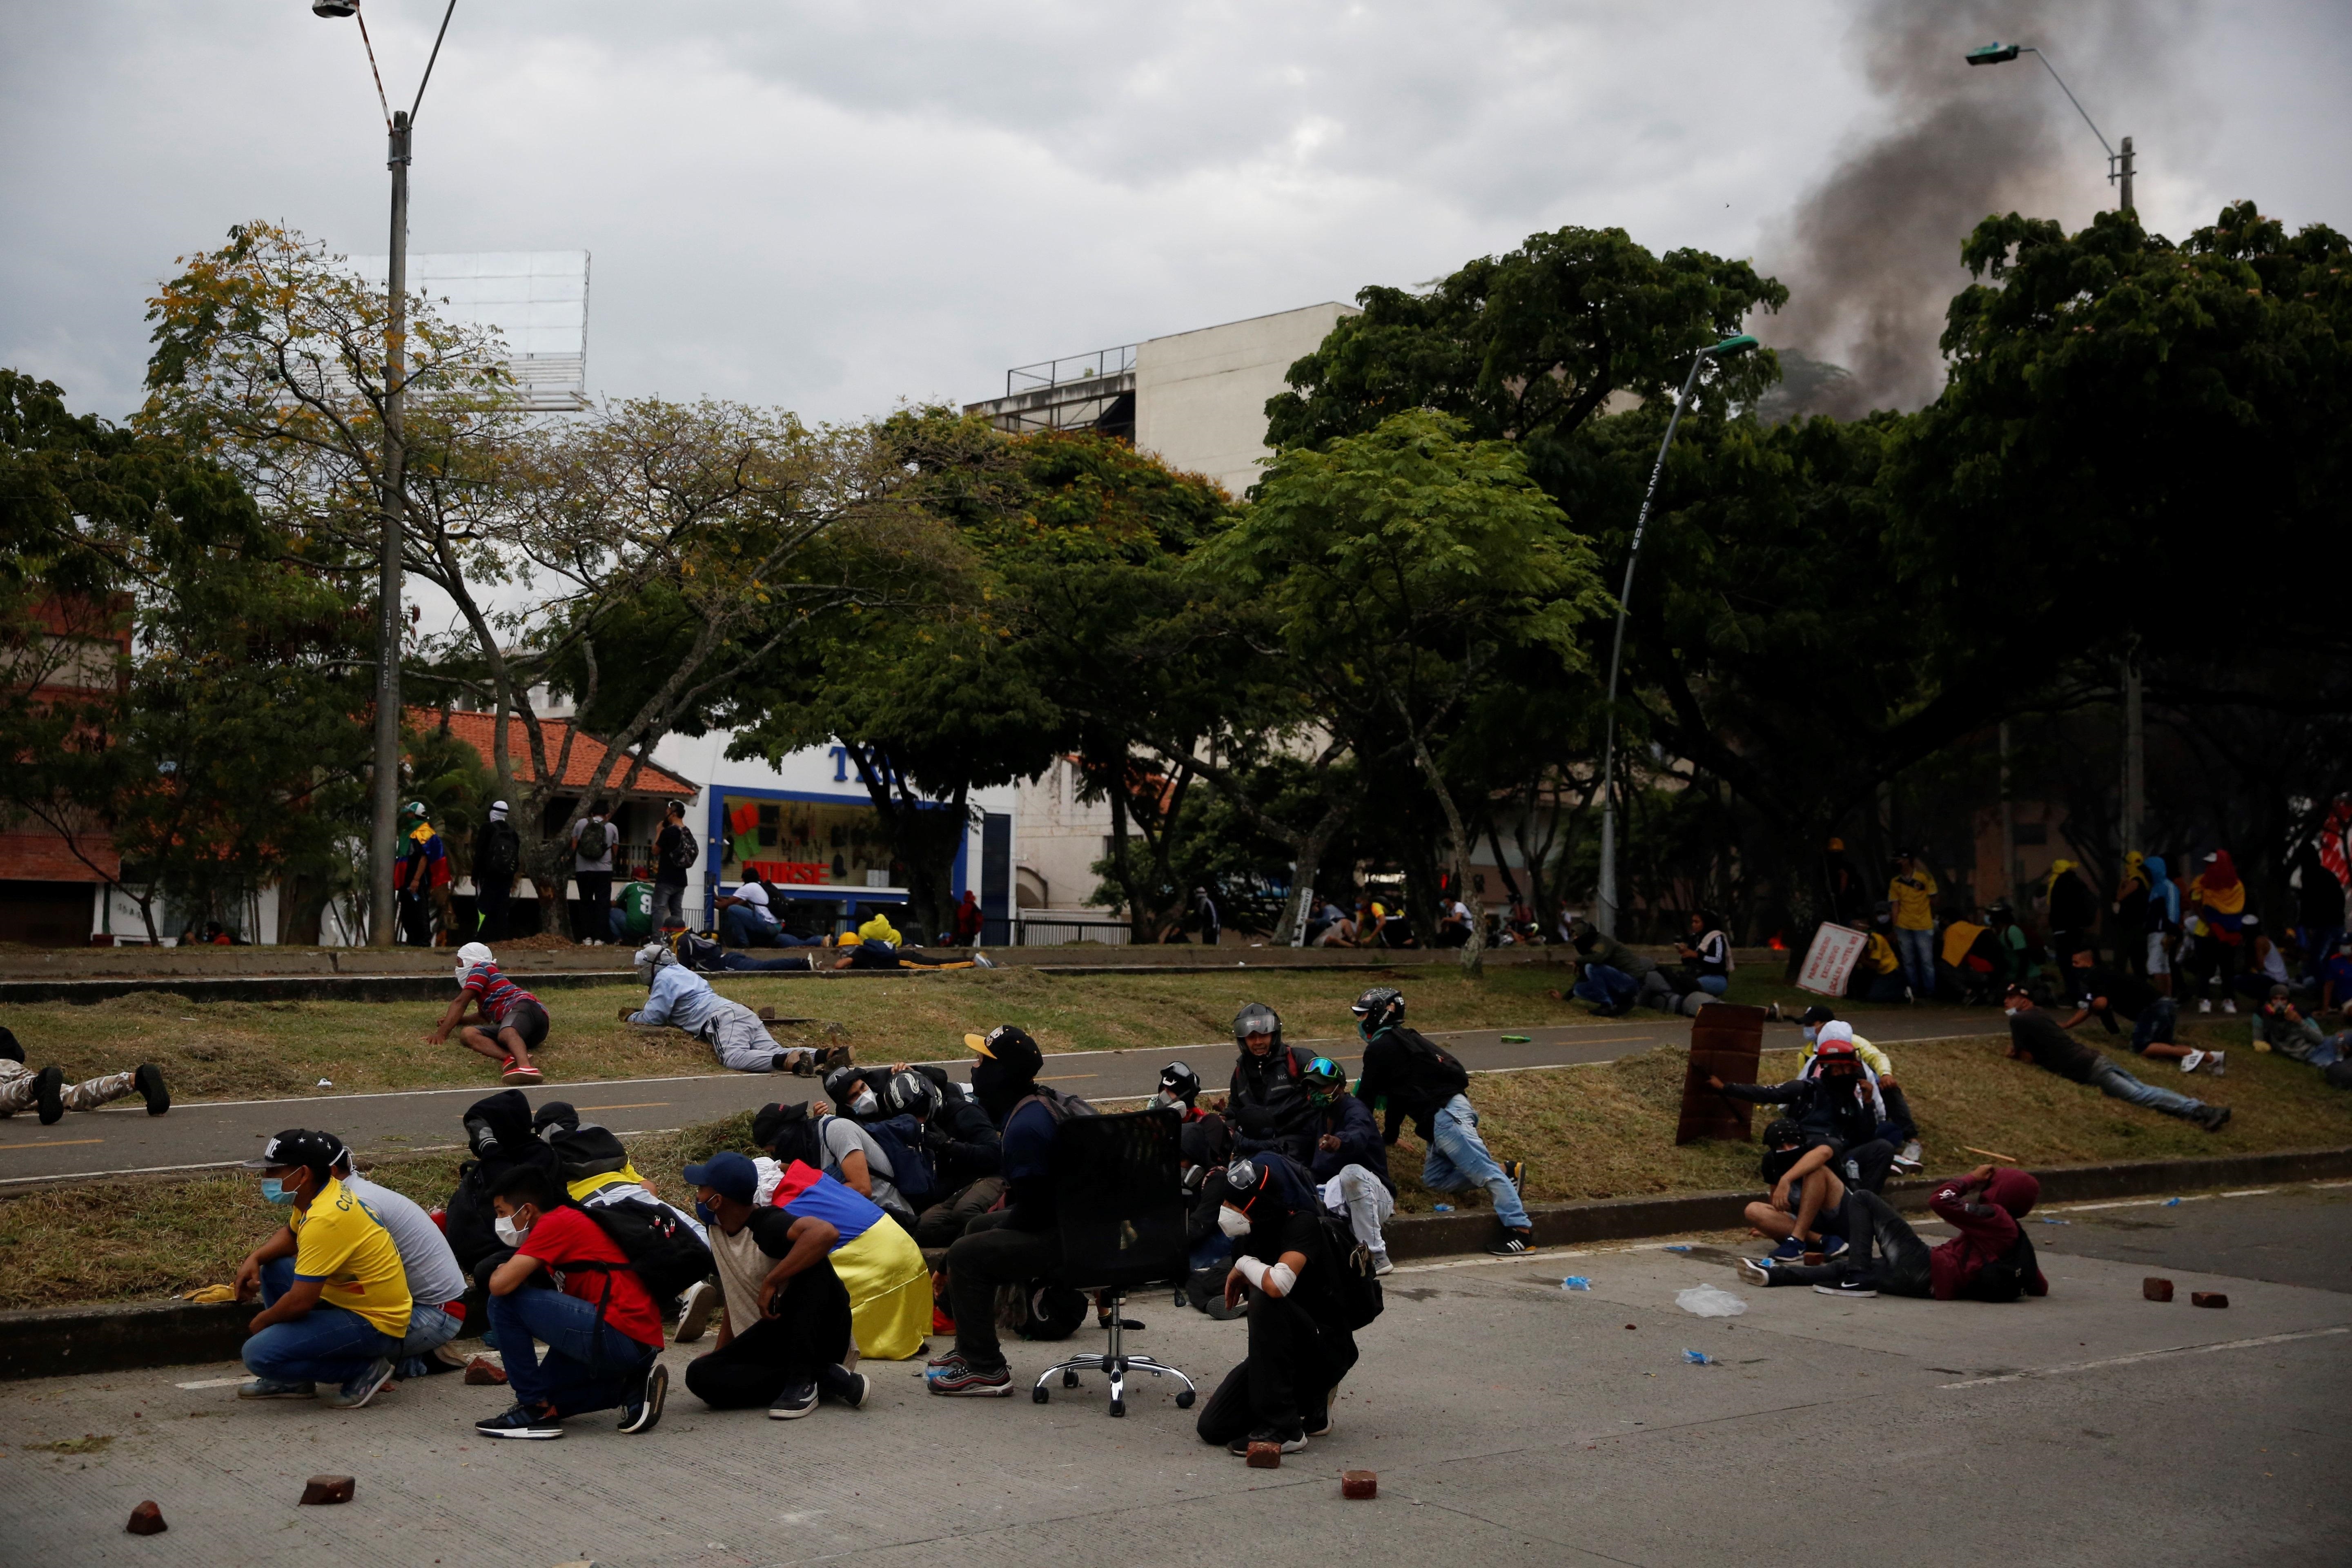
[
  {"x": 122, "y": 1138},
  {"x": 1510, "y": 1422}
]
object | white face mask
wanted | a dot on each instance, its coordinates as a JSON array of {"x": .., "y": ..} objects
[
  {"x": 461, "y": 975},
  {"x": 1233, "y": 1222},
  {"x": 1162, "y": 1100},
  {"x": 866, "y": 1104},
  {"x": 1812, "y": 1034},
  {"x": 510, "y": 1233}
]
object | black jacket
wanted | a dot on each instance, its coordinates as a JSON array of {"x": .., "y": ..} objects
[
  {"x": 1823, "y": 1107},
  {"x": 1413, "y": 1075},
  {"x": 963, "y": 1143},
  {"x": 1268, "y": 1107},
  {"x": 1360, "y": 1140}
]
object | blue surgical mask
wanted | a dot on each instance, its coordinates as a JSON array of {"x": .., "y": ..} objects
[{"x": 275, "y": 1191}]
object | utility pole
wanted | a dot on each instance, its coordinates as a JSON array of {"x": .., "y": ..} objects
[
  {"x": 2007, "y": 825},
  {"x": 2124, "y": 169},
  {"x": 2135, "y": 802},
  {"x": 382, "y": 831}
]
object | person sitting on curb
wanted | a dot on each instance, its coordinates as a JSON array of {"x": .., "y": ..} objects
[
  {"x": 1797, "y": 1166},
  {"x": 2102, "y": 993},
  {"x": 436, "y": 1286},
  {"x": 2035, "y": 1037},
  {"x": 2281, "y": 1025},
  {"x": 1300, "y": 1342},
  {"x": 1614, "y": 975},
  {"x": 509, "y": 1022},
  {"x": 680, "y": 998},
  {"x": 335, "y": 1304},
  {"x": 602, "y": 1332},
  {"x": 46, "y": 1091},
  {"x": 1351, "y": 1161},
  {"x": 1411, "y": 1076},
  {"x": 775, "y": 1268},
  {"x": 1991, "y": 1259},
  {"x": 1833, "y": 1100}
]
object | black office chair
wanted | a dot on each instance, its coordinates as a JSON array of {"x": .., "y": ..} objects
[{"x": 1120, "y": 1193}]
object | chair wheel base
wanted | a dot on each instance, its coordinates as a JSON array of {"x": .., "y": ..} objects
[
  {"x": 1118, "y": 1408},
  {"x": 1184, "y": 1399},
  {"x": 1041, "y": 1394},
  {"x": 1069, "y": 1380}
]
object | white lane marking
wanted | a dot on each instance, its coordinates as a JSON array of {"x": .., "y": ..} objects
[
  {"x": 2158, "y": 1203},
  {"x": 2148, "y": 1355},
  {"x": 211, "y": 1383}
]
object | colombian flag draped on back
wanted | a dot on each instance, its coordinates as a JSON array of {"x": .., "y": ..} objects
[{"x": 878, "y": 1263}]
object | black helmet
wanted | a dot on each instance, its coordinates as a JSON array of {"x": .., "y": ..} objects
[
  {"x": 1179, "y": 1083},
  {"x": 1257, "y": 1018},
  {"x": 1782, "y": 1133},
  {"x": 911, "y": 1094},
  {"x": 1379, "y": 1009},
  {"x": 1816, "y": 1015}
]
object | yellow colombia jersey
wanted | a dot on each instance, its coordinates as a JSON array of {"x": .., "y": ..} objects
[{"x": 341, "y": 1243}]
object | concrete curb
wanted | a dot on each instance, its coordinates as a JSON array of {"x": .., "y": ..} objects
[{"x": 58, "y": 1341}]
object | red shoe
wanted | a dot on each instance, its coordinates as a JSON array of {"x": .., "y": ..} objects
[{"x": 940, "y": 1323}]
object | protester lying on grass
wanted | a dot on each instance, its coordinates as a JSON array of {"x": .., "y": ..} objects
[
  {"x": 2102, "y": 993},
  {"x": 1349, "y": 1160},
  {"x": 436, "y": 1286},
  {"x": 508, "y": 1023},
  {"x": 1300, "y": 1345},
  {"x": 1991, "y": 1259},
  {"x": 48, "y": 1093},
  {"x": 784, "y": 1333},
  {"x": 2281, "y": 1024},
  {"x": 602, "y": 1330},
  {"x": 2035, "y": 1037},
  {"x": 1412, "y": 1077},
  {"x": 335, "y": 1303},
  {"x": 1898, "y": 1126},
  {"x": 682, "y": 999},
  {"x": 1807, "y": 1210}
]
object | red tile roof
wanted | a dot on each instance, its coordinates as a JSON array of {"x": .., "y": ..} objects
[{"x": 588, "y": 762}]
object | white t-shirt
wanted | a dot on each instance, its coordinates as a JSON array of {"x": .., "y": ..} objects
[
  {"x": 433, "y": 1277},
  {"x": 756, "y": 895},
  {"x": 844, "y": 1138}
]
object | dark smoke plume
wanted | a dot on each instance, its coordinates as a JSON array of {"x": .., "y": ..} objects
[{"x": 1871, "y": 255}]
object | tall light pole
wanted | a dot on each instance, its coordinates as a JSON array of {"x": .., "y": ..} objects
[
  {"x": 1605, "y": 911},
  {"x": 384, "y": 828},
  {"x": 2119, "y": 173}
]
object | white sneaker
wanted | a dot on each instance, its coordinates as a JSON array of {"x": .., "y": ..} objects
[
  {"x": 696, "y": 1309},
  {"x": 2204, "y": 1003},
  {"x": 2229, "y": 1006},
  {"x": 1381, "y": 1264},
  {"x": 2189, "y": 1062}
]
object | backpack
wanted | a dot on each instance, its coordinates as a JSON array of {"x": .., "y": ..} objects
[
  {"x": 1431, "y": 1060},
  {"x": 698, "y": 953},
  {"x": 1355, "y": 1288},
  {"x": 595, "y": 841},
  {"x": 501, "y": 854},
  {"x": 2005, "y": 1279},
  {"x": 688, "y": 851},
  {"x": 901, "y": 1138},
  {"x": 662, "y": 1251}
]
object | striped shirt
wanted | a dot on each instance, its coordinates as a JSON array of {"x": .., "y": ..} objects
[{"x": 498, "y": 993}]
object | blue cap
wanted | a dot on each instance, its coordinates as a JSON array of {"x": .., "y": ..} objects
[{"x": 730, "y": 1175}]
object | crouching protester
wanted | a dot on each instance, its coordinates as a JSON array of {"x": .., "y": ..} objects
[
  {"x": 1411, "y": 1076},
  {"x": 335, "y": 1303},
  {"x": 508, "y": 1022},
  {"x": 678, "y": 996},
  {"x": 875, "y": 1260},
  {"x": 598, "y": 1177},
  {"x": 436, "y": 1286},
  {"x": 1349, "y": 1160},
  {"x": 1990, "y": 1260},
  {"x": 1301, "y": 1324},
  {"x": 784, "y": 1333},
  {"x": 602, "y": 1330}
]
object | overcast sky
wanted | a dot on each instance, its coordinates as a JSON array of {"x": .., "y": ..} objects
[{"x": 837, "y": 207}]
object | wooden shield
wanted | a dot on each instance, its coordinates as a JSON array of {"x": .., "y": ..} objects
[{"x": 1728, "y": 1041}]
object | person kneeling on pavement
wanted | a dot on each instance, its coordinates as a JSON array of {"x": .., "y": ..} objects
[
  {"x": 1411, "y": 1076},
  {"x": 335, "y": 1303},
  {"x": 875, "y": 1260},
  {"x": 1991, "y": 1259},
  {"x": 602, "y": 1332},
  {"x": 436, "y": 1286},
  {"x": 46, "y": 1091},
  {"x": 1300, "y": 1343},
  {"x": 682, "y": 999},
  {"x": 784, "y": 1333},
  {"x": 1350, "y": 1161}
]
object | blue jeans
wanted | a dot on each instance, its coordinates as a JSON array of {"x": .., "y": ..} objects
[
  {"x": 1917, "y": 949},
  {"x": 325, "y": 1344},
  {"x": 1605, "y": 987},
  {"x": 1211, "y": 1250},
  {"x": 2154, "y": 1025},
  {"x": 2116, "y": 1084},
  {"x": 583, "y": 1371},
  {"x": 1458, "y": 1161},
  {"x": 430, "y": 1327},
  {"x": 1713, "y": 984}
]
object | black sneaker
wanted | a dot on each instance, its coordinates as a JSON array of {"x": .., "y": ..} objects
[
  {"x": 149, "y": 1081},
  {"x": 2214, "y": 1118},
  {"x": 1516, "y": 1170},
  {"x": 696, "y": 1309},
  {"x": 520, "y": 1423},
  {"x": 50, "y": 1094},
  {"x": 1511, "y": 1243},
  {"x": 956, "y": 1376},
  {"x": 849, "y": 1387},
  {"x": 1318, "y": 1424},
  {"x": 641, "y": 1409},
  {"x": 1849, "y": 1287},
  {"x": 796, "y": 1401},
  {"x": 1291, "y": 1441}
]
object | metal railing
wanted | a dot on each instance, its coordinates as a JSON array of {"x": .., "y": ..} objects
[
  {"x": 1053, "y": 930},
  {"x": 1077, "y": 367}
]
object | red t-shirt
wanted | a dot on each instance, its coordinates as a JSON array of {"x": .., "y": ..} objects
[{"x": 567, "y": 1236}]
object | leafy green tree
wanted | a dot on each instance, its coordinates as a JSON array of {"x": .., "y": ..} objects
[{"x": 1405, "y": 566}]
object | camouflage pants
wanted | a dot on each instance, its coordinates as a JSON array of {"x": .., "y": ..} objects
[{"x": 17, "y": 1089}]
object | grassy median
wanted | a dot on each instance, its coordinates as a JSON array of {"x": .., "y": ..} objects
[{"x": 1595, "y": 1132}]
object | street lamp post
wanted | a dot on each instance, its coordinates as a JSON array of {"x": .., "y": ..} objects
[
  {"x": 1605, "y": 911},
  {"x": 383, "y": 825},
  {"x": 2119, "y": 173}
]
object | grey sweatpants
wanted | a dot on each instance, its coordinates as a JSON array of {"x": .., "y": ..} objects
[
  {"x": 742, "y": 1043},
  {"x": 17, "y": 1089}
]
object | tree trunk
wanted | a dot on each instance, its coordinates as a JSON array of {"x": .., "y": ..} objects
[{"x": 1473, "y": 951}]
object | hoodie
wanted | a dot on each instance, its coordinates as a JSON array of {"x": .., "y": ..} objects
[
  {"x": 1987, "y": 1221},
  {"x": 1359, "y": 1140}
]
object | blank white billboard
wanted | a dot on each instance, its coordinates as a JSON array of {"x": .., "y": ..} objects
[{"x": 536, "y": 300}]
